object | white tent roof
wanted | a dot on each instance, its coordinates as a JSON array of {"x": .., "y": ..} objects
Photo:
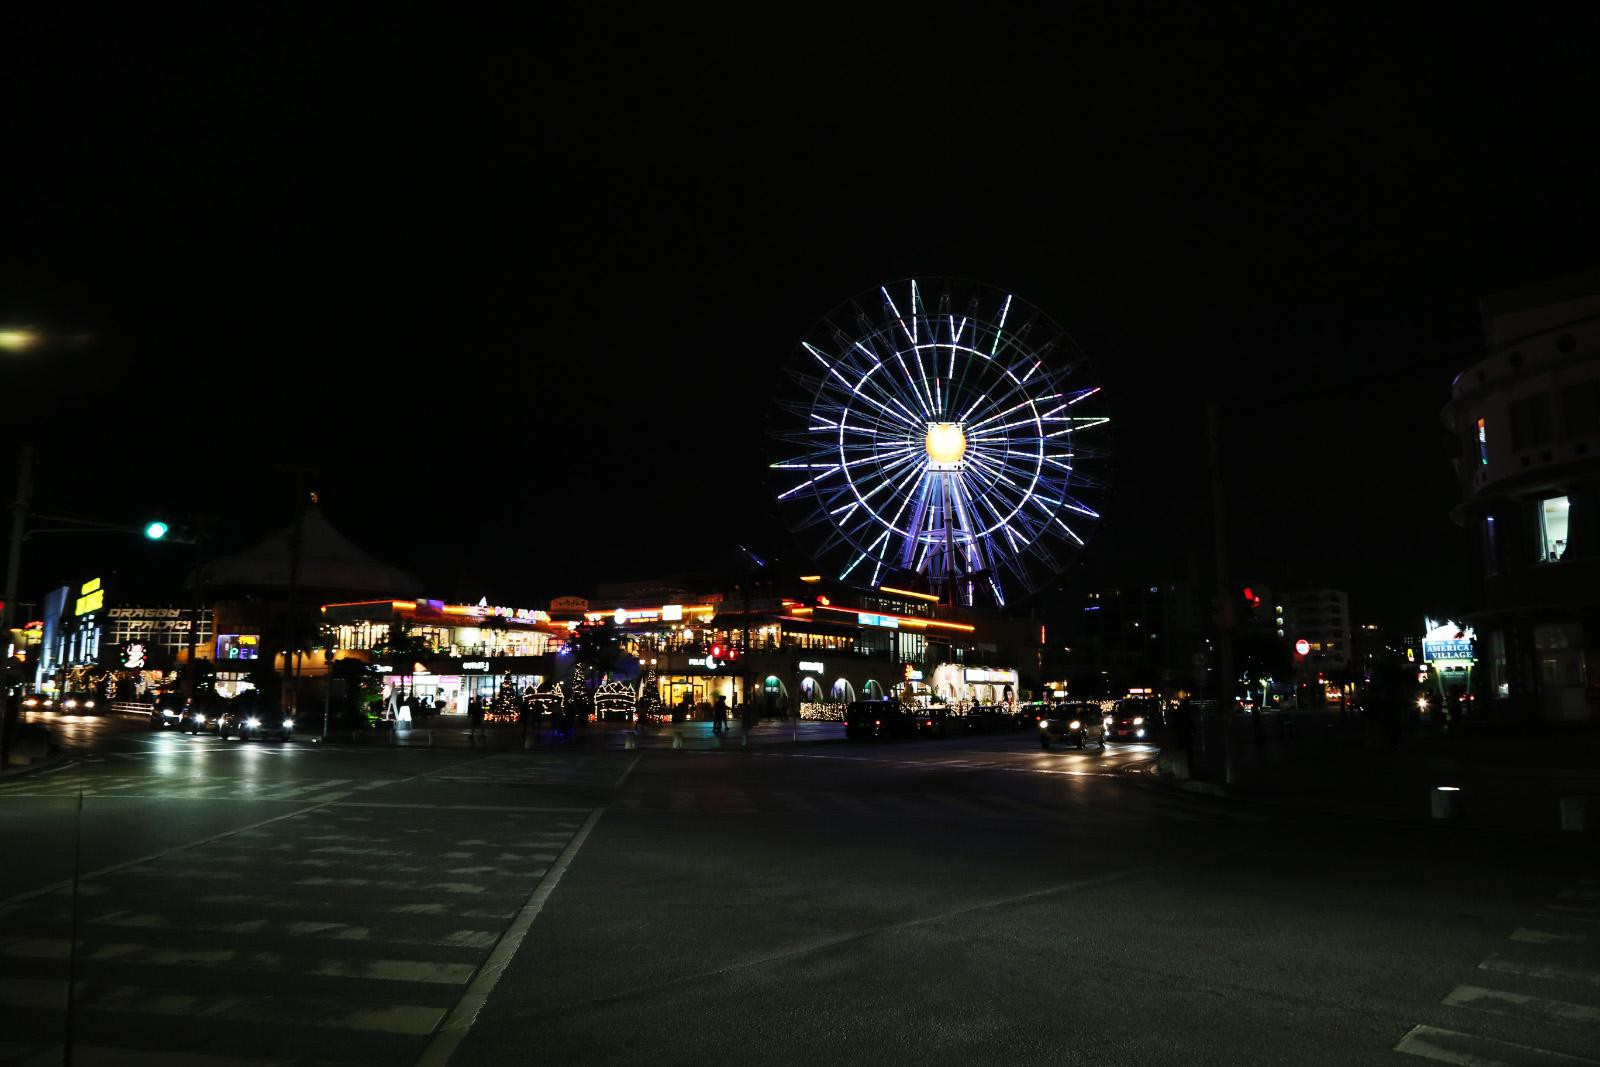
[{"x": 328, "y": 560}]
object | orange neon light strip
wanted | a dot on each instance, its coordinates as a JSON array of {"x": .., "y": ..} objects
[
  {"x": 905, "y": 620},
  {"x": 409, "y": 605},
  {"x": 907, "y": 592}
]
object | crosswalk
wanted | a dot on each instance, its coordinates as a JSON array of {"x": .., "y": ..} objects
[
  {"x": 196, "y": 786},
  {"x": 1545, "y": 981},
  {"x": 341, "y": 934}
]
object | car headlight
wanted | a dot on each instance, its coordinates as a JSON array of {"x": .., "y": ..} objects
[
  {"x": 288, "y": 723},
  {"x": 88, "y": 703},
  {"x": 168, "y": 713},
  {"x": 30, "y": 703},
  {"x": 1044, "y": 724},
  {"x": 252, "y": 723},
  {"x": 70, "y": 704},
  {"x": 1138, "y": 720},
  {"x": 1075, "y": 725}
]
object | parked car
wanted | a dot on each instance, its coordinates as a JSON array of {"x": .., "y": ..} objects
[
  {"x": 248, "y": 716},
  {"x": 1135, "y": 719},
  {"x": 879, "y": 718},
  {"x": 1075, "y": 724},
  {"x": 931, "y": 721},
  {"x": 986, "y": 718}
]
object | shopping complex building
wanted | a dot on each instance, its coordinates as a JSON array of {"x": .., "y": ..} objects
[{"x": 806, "y": 652}]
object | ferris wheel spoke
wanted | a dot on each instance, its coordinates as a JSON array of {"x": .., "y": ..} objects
[{"x": 991, "y": 506}]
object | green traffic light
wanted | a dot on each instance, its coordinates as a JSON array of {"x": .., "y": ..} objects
[{"x": 156, "y": 530}]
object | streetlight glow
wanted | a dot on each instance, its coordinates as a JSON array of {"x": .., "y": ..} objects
[
  {"x": 18, "y": 340},
  {"x": 155, "y": 531}
]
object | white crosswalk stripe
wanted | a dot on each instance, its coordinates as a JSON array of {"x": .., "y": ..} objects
[
  {"x": 1552, "y": 999},
  {"x": 1469, "y": 1050},
  {"x": 328, "y": 920}
]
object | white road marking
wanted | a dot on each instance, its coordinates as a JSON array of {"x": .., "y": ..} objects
[
  {"x": 1503, "y": 1003},
  {"x": 1469, "y": 1050},
  {"x": 107, "y": 1056},
  {"x": 49, "y": 948},
  {"x": 1497, "y": 963},
  {"x": 465, "y": 1013}
]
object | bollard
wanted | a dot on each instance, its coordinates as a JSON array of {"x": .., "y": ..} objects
[
  {"x": 677, "y": 739},
  {"x": 630, "y": 742},
  {"x": 1575, "y": 814},
  {"x": 1447, "y": 802}
]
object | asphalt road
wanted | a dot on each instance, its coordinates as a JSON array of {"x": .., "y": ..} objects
[{"x": 969, "y": 900}]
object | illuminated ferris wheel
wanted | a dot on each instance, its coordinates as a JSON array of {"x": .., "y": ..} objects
[{"x": 944, "y": 429}]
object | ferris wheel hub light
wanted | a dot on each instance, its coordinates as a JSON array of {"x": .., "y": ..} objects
[{"x": 946, "y": 443}]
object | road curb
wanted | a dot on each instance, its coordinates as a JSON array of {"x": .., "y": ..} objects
[{"x": 1195, "y": 787}]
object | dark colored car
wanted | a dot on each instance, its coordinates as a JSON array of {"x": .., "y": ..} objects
[
  {"x": 38, "y": 702},
  {"x": 248, "y": 716},
  {"x": 879, "y": 718},
  {"x": 1135, "y": 719},
  {"x": 987, "y": 718},
  {"x": 170, "y": 712},
  {"x": 1075, "y": 724},
  {"x": 1031, "y": 714},
  {"x": 78, "y": 703},
  {"x": 932, "y": 721}
]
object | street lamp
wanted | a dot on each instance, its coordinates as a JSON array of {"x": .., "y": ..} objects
[{"x": 18, "y": 339}]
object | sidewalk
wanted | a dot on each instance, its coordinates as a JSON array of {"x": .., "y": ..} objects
[
  {"x": 452, "y": 732},
  {"x": 1506, "y": 781}
]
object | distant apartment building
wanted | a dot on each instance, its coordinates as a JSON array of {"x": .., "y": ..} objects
[{"x": 1316, "y": 623}]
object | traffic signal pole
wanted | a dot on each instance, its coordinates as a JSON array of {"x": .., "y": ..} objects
[
  {"x": 1224, "y": 594},
  {"x": 8, "y": 609}
]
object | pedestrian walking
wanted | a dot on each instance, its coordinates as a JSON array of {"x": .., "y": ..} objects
[
  {"x": 719, "y": 711},
  {"x": 475, "y": 719}
]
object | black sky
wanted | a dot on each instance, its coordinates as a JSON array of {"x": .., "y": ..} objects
[{"x": 512, "y": 292}]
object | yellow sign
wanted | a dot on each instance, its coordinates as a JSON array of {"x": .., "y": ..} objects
[{"x": 93, "y": 598}]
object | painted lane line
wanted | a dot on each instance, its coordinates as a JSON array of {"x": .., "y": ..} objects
[
  {"x": 1502, "y": 1003},
  {"x": 465, "y": 1013},
  {"x": 1469, "y": 1050},
  {"x": 629, "y": 771},
  {"x": 1545, "y": 937},
  {"x": 829, "y": 943},
  {"x": 1500, "y": 965}
]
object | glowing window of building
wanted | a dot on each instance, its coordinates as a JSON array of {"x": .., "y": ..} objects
[
  {"x": 1553, "y": 528},
  {"x": 1483, "y": 444}
]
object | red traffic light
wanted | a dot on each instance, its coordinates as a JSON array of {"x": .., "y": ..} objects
[{"x": 716, "y": 651}]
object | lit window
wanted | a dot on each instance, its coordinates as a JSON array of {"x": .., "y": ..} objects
[
  {"x": 1483, "y": 444},
  {"x": 1553, "y": 528}
]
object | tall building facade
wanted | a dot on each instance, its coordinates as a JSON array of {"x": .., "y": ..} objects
[
  {"x": 1321, "y": 619},
  {"x": 1526, "y": 423}
]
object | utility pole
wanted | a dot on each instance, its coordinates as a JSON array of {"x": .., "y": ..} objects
[
  {"x": 1224, "y": 601},
  {"x": 289, "y": 620},
  {"x": 19, "y": 530}
]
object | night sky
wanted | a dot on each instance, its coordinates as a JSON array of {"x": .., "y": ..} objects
[{"x": 513, "y": 295}]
